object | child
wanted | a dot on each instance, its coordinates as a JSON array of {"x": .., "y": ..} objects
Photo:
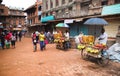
[
  {"x": 7, "y": 40},
  {"x": 34, "y": 41},
  {"x": 13, "y": 39}
]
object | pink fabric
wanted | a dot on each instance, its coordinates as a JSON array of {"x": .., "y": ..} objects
[{"x": 46, "y": 41}]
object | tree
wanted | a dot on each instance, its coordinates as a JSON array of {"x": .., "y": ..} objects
[{"x": 1, "y": 1}]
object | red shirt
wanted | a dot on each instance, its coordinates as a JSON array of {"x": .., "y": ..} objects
[
  {"x": 7, "y": 37},
  {"x": 34, "y": 36}
]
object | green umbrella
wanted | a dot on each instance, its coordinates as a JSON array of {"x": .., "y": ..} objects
[{"x": 62, "y": 25}]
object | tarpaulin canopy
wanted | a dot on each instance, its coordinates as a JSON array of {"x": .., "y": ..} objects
[
  {"x": 111, "y": 9},
  {"x": 47, "y": 18},
  {"x": 62, "y": 25}
]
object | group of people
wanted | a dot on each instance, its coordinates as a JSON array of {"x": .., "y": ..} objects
[
  {"x": 9, "y": 38},
  {"x": 42, "y": 38}
]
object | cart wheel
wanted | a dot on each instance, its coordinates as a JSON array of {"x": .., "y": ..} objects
[
  {"x": 57, "y": 46},
  {"x": 104, "y": 60},
  {"x": 65, "y": 47},
  {"x": 84, "y": 54}
]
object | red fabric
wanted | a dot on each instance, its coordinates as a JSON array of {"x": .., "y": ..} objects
[
  {"x": 34, "y": 36},
  {"x": 7, "y": 37}
]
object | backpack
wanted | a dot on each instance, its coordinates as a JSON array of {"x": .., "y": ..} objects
[{"x": 13, "y": 38}]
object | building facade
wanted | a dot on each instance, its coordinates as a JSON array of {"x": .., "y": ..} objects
[
  {"x": 34, "y": 16},
  {"x": 11, "y": 17},
  {"x": 71, "y": 8},
  {"x": 79, "y": 11},
  {"x": 16, "y": 17},
  {"x": 3, "y": 13}
]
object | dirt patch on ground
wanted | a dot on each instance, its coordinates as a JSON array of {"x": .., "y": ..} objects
[{"x": 22, "y": 61}]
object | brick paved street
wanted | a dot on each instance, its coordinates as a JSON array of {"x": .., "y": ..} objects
[{"x": 22, "y": 61}]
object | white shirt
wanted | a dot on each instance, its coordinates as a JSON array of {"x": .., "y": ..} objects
[
  {"x": 67, "y": 35},
  {"x": 104, "y": 38}
]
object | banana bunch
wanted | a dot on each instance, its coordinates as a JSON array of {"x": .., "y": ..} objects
[
  {"x": 81, "y": 47},
  {"x": 56, "y": 40},
  {"x": 91, "y": 50}
]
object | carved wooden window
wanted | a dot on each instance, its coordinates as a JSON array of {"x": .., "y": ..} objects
[
  {"x": 63, "y": 1},
  {"x": 57, "y": 2},
  {"x": 51, "y": 3},
  {"x": 46, "y": 4},
  {"x": 104, "y": 2},
  {"x": 70, "y": 0}
]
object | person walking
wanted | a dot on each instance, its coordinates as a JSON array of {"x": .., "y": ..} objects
[
  {"x": 20, "y": 35},
  {"x": 42, "y": 39},
  {"x": 16, "y": 35},
  {"x": 7, "y": 40},
  {"x": 13, "y": 40},
  {"x": 37, "y": 36},
  {"x": 34, "y": 40},
  {"x": 2, "y": 37},
  {"x": 48, "y": 36},
  {"x": 66, "y": 34}
]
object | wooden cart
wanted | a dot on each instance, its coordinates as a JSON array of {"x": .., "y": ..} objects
[{"x": 98, "y": 52}]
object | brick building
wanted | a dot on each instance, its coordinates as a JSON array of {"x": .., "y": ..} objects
[
  {"x": 11, "y": 17},
  {"x": 16, "y": 17},
  {"x": 34, "y": 16},
  {"x": 3, "y": 13}
]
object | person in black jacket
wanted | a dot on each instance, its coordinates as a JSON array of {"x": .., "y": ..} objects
[
  {"x": 2, "y": 37},
  {"x": 20, "y": 35}
]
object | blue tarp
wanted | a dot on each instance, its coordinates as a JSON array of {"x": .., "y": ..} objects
[
  {"x": 114, "y": 52},
  {"x": 110, "y": 10},
  {"x": 47, "y": 18}
]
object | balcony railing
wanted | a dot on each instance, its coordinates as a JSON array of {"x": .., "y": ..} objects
[
  {"x": 68, "y": 14},
  {"x": 78, "y": 13}
]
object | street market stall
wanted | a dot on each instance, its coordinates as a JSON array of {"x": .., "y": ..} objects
[
  {"x": 90, "y": 48},
  {"x": 59, "y": 38}
]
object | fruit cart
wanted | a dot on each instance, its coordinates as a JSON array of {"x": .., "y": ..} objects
[
  {"x": 61, "y": 44},
  {"x": 97, "y": 51}
]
